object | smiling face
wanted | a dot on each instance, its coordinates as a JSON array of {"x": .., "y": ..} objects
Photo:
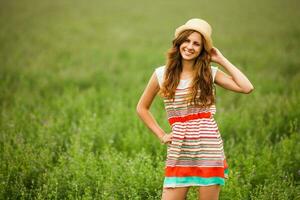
[{"x": 191, "y": 46}]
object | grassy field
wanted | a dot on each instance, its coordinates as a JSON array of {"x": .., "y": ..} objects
[{"x": 71, "y": 73}]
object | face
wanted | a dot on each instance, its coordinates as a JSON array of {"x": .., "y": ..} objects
[{"x": 191, "y": 47}]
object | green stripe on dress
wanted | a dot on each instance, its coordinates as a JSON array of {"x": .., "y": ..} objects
[
  {"x": 226, "y": 172},
  {"x": 192, "y": 180}
]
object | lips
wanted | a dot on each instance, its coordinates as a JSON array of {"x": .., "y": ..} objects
[{"x": 187, "y": 53}]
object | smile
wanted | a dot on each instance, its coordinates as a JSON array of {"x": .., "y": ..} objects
[{"x": 186, "y": 52}]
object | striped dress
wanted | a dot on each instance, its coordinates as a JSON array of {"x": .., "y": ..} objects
[{"x": 195, "y": 156}]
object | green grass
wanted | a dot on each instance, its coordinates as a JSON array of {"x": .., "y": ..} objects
[{"x": 71, "y": 74}]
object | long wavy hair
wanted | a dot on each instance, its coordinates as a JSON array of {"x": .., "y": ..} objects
[{"x": 202, "y": 92}]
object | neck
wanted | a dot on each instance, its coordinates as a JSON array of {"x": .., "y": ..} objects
[{"x": 187, "y": 65}]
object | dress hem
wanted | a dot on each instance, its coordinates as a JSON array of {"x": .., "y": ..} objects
[{"x": 193, "y": 185}]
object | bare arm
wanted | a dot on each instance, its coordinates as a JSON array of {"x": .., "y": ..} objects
[
  {"x": 143, "y": 107},
  {"x": 236, "y": 81}
]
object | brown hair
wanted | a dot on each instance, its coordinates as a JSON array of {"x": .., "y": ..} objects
[{"x": 202, "y": 91}]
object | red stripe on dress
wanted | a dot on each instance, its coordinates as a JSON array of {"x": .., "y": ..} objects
[
  {"x": 225, "y": 164},
  {"x": 203, "y": 131},
  {"x": 194, "y": 171},
  {"x": 190, "y": 117}
]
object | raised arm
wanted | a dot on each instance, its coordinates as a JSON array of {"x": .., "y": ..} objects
[
  {"x": 143, "y": 107},
  {"x": 236, "y": 81}
]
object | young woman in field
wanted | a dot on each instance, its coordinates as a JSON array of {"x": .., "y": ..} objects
[{"x": 195, "y": 155}]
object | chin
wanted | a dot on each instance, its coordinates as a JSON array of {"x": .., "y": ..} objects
[{"x": 188, "y": 58}]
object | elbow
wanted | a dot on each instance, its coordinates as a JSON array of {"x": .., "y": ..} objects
[{"x": 139, "y": 110}]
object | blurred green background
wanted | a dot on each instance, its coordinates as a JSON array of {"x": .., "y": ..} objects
[{"x": 72, "y": 72}]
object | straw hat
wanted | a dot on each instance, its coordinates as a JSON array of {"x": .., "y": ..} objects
[{"x": 198, "y": 25}]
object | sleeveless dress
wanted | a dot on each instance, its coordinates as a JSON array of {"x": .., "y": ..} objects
[{"x": 195, "y": 156}]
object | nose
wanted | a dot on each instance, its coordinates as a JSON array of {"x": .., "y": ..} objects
[{"x": 190, "y": 46}]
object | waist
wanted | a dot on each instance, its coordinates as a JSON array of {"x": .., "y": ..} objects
[{"x": 172, "y": 120}]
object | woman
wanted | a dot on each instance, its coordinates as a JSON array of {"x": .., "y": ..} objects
[{"x": 195, "y": 155}]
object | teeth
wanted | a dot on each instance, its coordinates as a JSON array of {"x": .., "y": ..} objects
[{"x": 187, "y": 53}]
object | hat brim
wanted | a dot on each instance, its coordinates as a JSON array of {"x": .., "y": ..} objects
[{"x": 208, "y": 41}]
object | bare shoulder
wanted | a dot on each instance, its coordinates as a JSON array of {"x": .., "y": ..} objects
[
  {"x": 153, "y": 84},
  {"x": 149, "y": 93}
]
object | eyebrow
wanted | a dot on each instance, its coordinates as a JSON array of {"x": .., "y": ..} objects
[{"x": 194, "y": 41}]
